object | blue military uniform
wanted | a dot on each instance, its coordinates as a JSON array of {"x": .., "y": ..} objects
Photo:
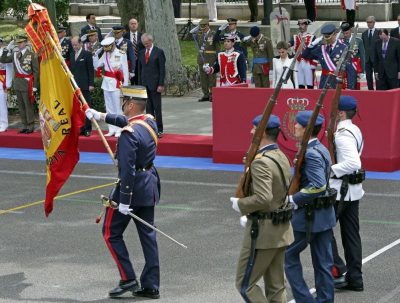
[
  {"x": 238, "y": 38},
  {"x": 327, "y": 55},
  {"x": 139, "y": 187},
  {"x": 126, "y": 46},
  {"x": 314, "y": 181}
]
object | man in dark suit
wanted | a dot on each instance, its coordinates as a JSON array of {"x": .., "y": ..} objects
[
  {"x": 91, "y": 20},
  {"x": 387, "y": 61},
  {"x": 126, "y": 46},
  {"x": 151, "y": 61},
  {"x": 135, "y": 36},
  {"x": 395, "y": 32},
  {"x": 369, "y": 38},
  {"x": 83, "y": 71}
]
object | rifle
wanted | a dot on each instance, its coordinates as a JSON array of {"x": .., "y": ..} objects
[
  {"x": 299, "y": 158},
  {"x": 335, "y": 101},
  {"x": 242, "y": 189}
]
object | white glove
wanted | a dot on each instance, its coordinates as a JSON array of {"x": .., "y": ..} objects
[
  {"x": 10, "y": 45},
  {"x": 223, "y": 26},
  {"x": 235, "y": 205},
  {"x": 131, "y": 75},
  {"x": 362, "y": 76},
  {"x": 98, "y": 51},
  {"x": 195, "y": 29},
  {"x": 243, "y": 221},
  {"x": 92, "y": 113},
  {"x": 246, "y": 38},
  {"x": 206, "y": 68},
  {"x": 34, "y": 89},
  {"x": 316, "y": 41},
  {"x": 291, "y": 202},
  {"x": 124, "y": 209},
  {"x": 84, "y": 38}
]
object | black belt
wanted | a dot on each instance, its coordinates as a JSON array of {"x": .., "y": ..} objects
[
  {"x": 354, "y": 178},
  {"x": 259, "y": 216},
  {"x": 147, "y": 167}
]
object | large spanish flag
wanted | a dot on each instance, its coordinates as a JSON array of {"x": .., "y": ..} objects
[{"x": 60, "y": 113}]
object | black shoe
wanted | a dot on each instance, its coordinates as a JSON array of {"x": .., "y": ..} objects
[
  {"x": 204, "y": 98},
  {"x": 160, "y": 134},
  {"x": 23, "y": 131},
  {"x": 123, "y": 287},
  {"x": 343, "y": 284},
  {"x": 29, "y": 131},
  {"x": 87, "y": 133},
  {"x": 340, "y": 282},
  {"x": 148, "y": 293}
]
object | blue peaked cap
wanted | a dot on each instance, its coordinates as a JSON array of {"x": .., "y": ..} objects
[
  {"x": 347, "y": 103},
  {"x": 328, "y": 29},
  {"x": 273, "y": 121},
  {"x": 304, "y": 116},
  {"x": 254, "y": 31}
]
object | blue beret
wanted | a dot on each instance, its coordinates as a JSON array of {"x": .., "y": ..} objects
[
  {"x": 254, "y": 31},
  {"x": 273, "y": 121},
  {"x": 328, "y": 29},
  {"x": 304, "y": 116},
  {"x": 347, "y": 103}
]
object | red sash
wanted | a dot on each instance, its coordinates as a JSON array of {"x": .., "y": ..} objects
[
  {"x": 3, "y": 78},
  {"x": 117, "y": 75},
  {"x": 30, "y": 84}
]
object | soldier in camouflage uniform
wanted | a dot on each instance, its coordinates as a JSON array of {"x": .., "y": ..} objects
[
  {"x": 262, "y": 56},
  {"x": 208, "y": 45}
]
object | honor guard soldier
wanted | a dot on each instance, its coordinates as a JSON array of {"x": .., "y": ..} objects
[
  {"x": 230, "y": 28},
  {"x": 313, "y": 218},
  {"x": 347, "y": 177},
  {"x": 262, "y": 56},
  {"x": 114, "y": 64},
  {"x": 357, "y": 66},
  {"x": 125, "y": 46},
  {"x": 230, "y": 63},
  {"x": 26, "y": 79},
  {"x": 305, "y": 67},
  {"x": 327, "y": 49},
  {"x": 66, "y": 47},
  {"x": 137, "y": 191},
  {"x": 6, "y": 72},
  {"x": 266, "y": 218},
  {"x": 208, "y": 45}
]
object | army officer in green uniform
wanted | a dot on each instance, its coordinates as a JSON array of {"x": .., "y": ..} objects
[
  {"x": 262, "y": 56},
  {"x": 208, "y": 45},
  {"x": 25, "y": 81},
  {"x": 267, "y": 226}
]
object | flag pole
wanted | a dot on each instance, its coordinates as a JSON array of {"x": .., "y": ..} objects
[{"x": 81, "y": 97}]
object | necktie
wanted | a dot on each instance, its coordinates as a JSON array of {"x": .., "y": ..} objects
[
  {"x": 384, "y": 50},
  {"x": 370, "y": 34},
  {"x": 134, "y": 43},
  {"x": 147, "y": 55},
  {"x": 76, "y": 55}
]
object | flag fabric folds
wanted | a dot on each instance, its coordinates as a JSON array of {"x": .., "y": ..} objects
[{"x": 60, "y": 113}]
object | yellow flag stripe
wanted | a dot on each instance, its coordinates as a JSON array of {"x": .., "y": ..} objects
[{"x": 58, "y": 197}]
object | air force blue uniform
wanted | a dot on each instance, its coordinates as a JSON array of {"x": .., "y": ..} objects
[
  {"x": 139, "y": 187},
  {"x": 313, "y": 184}
]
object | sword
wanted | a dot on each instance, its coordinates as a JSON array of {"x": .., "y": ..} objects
[{"x": 110, "y": 203}]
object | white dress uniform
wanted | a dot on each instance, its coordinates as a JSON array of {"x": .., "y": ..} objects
[
  {"x": 278, "y": 65},
  {"x": 6, "y": 75},
  {"x": 349, "y": 145},
  {"x": 305, "y": 67},
  {"x": 112, "y": 62}
]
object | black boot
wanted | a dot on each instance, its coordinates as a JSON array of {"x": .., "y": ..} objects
[
  {"x": 148, "y": 293},
  {"x": 123, "y": 287}
]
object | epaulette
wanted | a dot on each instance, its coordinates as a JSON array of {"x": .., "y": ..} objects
[
  {"x": 127, "y": 128},
  {"x": 150, "y": 117},
  {"x": 339, "y": 130},
  {"x": 122, "y": 52},
  {"x": 258, "y": 156}
]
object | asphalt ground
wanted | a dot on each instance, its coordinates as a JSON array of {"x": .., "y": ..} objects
[{"x": 63, "y": 258}]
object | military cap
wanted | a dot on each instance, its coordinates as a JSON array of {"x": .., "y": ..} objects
[
  {"x": 254, "y": 31},
  {"x": 230, "y": 37},
  {"x": 328, "y": 29},
  {"x": 61, "y": 29},
  {"x": 345, "y": 27},
  {"x": 273, "y": 121},
  {"x": 21, "y": 38},
  {"x": 304, "y": 116},
  {"x": 107, "y": 41},
  {"x": 134, "y": 91},
  {"x": 118, "y": 28},
  {"x": 347, "y": 103},
  {"x": 204, "y": 22},
  {"x": 232, "y": 20},
  {"x": 91, "y": 32},
  {"x": 303, "y": 21}
]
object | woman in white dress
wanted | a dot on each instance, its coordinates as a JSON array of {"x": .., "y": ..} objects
[{"x": 280, "y": 63}]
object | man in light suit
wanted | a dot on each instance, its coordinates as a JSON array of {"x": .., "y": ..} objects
[
  {"x": 152, "y": 75},
  {"x": 91, "y": 20},
  {"x": 387, "y": 61},
  {"x": 135, "y": 36},
  {"x": 369, "y": 38},
  {"x": 83, "y": 71},
  {"x": 313, "y": 218},
  {"x": 395, "y": 32},
  {"x": 262, "y": 256}
]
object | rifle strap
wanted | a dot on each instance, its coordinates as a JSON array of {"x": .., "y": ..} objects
[{"x": 148, "y": 127}]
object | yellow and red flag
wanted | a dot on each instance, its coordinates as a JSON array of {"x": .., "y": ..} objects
[{"x": 60, "y": 113}]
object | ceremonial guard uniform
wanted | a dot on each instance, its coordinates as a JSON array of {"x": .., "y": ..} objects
[
  {"x": 137, "y": 191},
  {"x": 305, "y": 67},
  {"x": 262, "y": 56},
  {"x": 208, "y": 45},
  {"x": 357, "y": 61},
  {"x": 230, "y": 63},
  {"x": 347, "y": 177},
  {"x": 230, "y": 29},
  {"x": 125, "y": 45},
  {"x": 327, "y": 54},
  {"x": 66, "y": 47},
  {"x": 26, "y": 80},
  {"x": 6, "y": 72},
  {"x": 115, "y": 66},
  {"x": 313, "y": 220},
  {"x": 262, "y": 254}
]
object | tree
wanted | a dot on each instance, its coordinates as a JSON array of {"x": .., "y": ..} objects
[{"x": 156, "y": 17}]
